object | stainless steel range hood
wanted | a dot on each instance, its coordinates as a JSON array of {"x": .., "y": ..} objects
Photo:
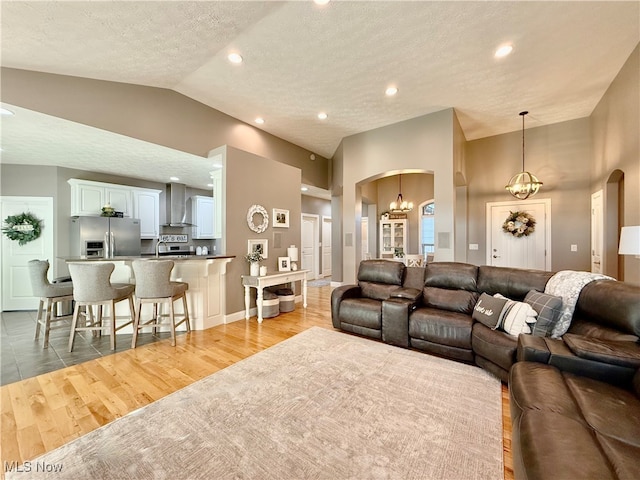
[{"x": 177, "y": 206}]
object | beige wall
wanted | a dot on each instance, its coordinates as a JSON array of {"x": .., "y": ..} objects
[
  {"x": 156, "y": 115},
  {"x": 615, "y": 124},
  {"x": 559, "y": 156},
  {"x": 250, "y": 180},
  {"x": 423, "y": 144}
]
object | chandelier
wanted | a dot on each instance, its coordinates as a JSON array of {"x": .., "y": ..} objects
[
  {"x": 524, "y": 184},
  {"x": 400, "y": 205}
]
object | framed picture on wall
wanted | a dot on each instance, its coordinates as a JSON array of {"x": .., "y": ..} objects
[
  {"x": 284, "y": 264},
  {"x": 280, "y": 218},
  {"x": 259, "y": 245}
]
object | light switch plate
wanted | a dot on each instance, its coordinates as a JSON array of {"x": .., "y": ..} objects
[{"x": 574, "y": 247}]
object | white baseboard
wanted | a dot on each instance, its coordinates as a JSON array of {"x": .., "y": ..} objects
[{"x": 336, "y": 284}]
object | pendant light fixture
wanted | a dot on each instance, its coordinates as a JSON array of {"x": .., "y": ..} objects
[
  {"x": 524, "y": 184},
  {"x": 400, "y": 205}
]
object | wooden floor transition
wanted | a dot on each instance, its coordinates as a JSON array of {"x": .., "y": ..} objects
[{"x": 41, "y": 413}]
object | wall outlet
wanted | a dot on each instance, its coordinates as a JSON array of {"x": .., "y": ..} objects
[
  {"x": 473, "y": 246},
  {"x": 574, "y": 247}
]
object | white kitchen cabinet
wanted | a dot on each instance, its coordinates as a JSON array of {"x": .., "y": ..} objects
[
  {"x": 120, "y": 199},
  {"x": 202, "y": 215},
  {"x": 88, "y": 198},
  {"x": 393, "y": 235},
  {"x": 146, "y": 207}
]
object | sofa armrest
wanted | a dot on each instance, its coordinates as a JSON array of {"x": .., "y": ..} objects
[
  {"x": 395, "y": 321},
  {"x": 407, "y": 293},
  {"x": 532, "y": 349},
  {"x": 339, "y": 294}
]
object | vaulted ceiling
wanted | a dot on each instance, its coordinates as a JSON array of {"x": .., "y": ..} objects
[{"x": 301, "y": 58}]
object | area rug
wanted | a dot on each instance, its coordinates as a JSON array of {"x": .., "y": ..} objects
[{"x": 320, "y": 405}]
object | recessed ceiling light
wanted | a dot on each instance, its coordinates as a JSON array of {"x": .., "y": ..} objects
[
  {"x": 235, "y": 58},
  {"x": 323, "y": 116},
  {"x": 503, "y": 51},
  {"x": 391, "y": 91},
  {"x": 321, "y": 2},
  {"x": 304, "y": 189},
  {"x": 4, "y": 111},
  {"x": 174, "y": 179},
  {"x": 259, "y": 120}
]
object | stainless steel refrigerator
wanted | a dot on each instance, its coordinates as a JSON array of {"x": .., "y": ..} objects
[{"x": 105, "y": 236}]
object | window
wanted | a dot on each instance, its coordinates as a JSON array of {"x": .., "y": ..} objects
[{"x": 427, "y": 227}]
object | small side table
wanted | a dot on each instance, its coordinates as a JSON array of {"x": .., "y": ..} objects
[{"x": 259, "y": 283}]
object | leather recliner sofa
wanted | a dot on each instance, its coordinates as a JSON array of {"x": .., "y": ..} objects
[
  {"x": 437, "y": 318},
  {"x": 358, "y": 308},
  {"x": 569, "y": 426}
]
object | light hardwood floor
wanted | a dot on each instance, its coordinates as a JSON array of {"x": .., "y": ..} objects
[{"x": 44, "y": 412}]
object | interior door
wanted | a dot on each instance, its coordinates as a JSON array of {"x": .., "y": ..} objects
[
  {"x": 309, "y": 252},
  {"x": 16, "y": 285},
  {"x": 506, "y": 250},
  {"x": 365, "y": 238},
  {"x": 326, "y": 246},
  {"x": 597, "y": 231}
]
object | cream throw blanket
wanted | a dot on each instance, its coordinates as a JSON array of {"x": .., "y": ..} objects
[{"x": 568, "y": 285}]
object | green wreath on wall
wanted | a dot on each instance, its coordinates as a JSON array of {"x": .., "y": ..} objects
[{"x": 23, "y": 227}]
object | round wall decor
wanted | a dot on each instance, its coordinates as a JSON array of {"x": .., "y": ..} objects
[{"x": 258, "y": 210}]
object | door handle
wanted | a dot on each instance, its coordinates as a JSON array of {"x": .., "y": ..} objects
[{"x": 496, "y": 256}]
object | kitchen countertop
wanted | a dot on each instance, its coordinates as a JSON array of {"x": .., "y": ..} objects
[{"x": 84, "y": 258}]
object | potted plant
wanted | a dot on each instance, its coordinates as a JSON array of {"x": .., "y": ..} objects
[{"x": 254, "y": 258}]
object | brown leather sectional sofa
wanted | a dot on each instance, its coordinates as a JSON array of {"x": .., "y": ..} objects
[{"x": 574, "y": 401}]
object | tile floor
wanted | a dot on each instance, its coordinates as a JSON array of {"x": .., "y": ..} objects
[{"x": 23, "y": 357}]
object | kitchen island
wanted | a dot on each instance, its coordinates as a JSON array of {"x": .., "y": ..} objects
[{"x": 206, "y": 296}]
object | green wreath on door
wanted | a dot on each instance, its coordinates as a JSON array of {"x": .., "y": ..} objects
[{"x": 23, "y": 228}]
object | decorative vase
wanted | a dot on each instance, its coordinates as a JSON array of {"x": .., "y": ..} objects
[{"x": 254, "y": 269}]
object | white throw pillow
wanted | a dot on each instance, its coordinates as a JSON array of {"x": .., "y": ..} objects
[{"x": 516, "y": 317}]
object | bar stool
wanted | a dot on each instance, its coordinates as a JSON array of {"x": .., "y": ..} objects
[
  {"x": 50, "y": 297},
  {"x": 93, "y": 287},
  {"x": 153, "y": 286}
]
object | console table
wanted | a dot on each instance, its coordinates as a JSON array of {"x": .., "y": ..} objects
[{"x": 259, "y": 283}]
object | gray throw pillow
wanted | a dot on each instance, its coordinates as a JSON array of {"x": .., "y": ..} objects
[
  {"x": 488, "y": 309},
  {"x": 549, "y": 308}
]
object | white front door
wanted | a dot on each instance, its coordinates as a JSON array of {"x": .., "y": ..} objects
[
  {"x": 310, "y": 254},
  {"x": 15, "y": 284},
  {"x": 326, "y": 246},
  {"x": 506, "y": 250},
  {"x": 597, "y": 231}
]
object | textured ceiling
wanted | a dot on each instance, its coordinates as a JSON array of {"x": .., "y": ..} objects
[{"x": 301, "y": 58}]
